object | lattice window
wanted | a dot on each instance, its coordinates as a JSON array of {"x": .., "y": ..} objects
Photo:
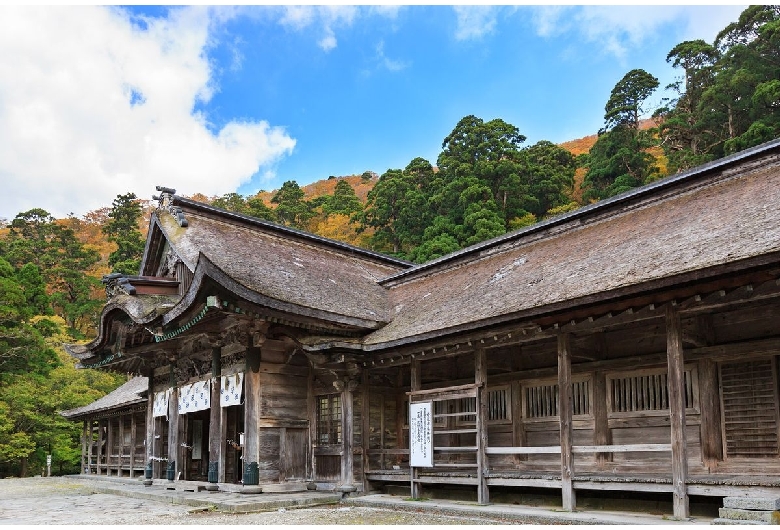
[
  {"x": 647, "y": 391},
  {"x": 540, "y": 400},
  {"x": 467, "y": 405},
  {"x": 329, "y": 419},
  {"x": 749, "y": 409},
  {"x": 499, "y": 406}
]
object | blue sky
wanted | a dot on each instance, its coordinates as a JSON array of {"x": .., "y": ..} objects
[{"x": 97, "y": 101}]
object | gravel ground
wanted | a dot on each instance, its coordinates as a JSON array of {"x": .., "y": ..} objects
[{"x": 69, "y": 501}]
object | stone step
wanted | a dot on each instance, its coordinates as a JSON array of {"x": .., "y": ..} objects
[
  {"x": 752, "y": 503},
  {"x": 771, "y": 517},
  {"x": 720, "y": 520}
]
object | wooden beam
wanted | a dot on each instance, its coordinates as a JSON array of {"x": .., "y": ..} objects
[
  {"x": 676, "y": 383},
  {"x": 84, "y": 461},
  {"x": 565, "y": 421},
  {"x": 480, "y": 379}
]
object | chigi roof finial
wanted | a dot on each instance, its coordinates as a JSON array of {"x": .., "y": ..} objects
[{"x": 166, "y": 201}]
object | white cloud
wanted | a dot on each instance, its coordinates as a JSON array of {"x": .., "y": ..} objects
[
  {"x": 327, "y": 17},
  {"x": 94, "y": 104},
  {"x": 620, "y": 28},
  {"x": 474, "y": 21},
  {"x": 384, "y": 61}
]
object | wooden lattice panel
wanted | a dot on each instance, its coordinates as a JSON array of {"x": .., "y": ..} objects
[{"x": 748, "y": 391}]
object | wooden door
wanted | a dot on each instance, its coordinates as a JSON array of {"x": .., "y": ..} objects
[{"x": 294, "y": 454}]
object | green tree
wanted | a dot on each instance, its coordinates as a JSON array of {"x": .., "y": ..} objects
[
  {"x": 343, "y": 201},
  {"x": 122, "y": 230},
  {"x": 687, "y": 139},
  {"x": 291, "y": 208},
  {"x": 619, "y": 160},
  {"x": 35, "y": 237}
]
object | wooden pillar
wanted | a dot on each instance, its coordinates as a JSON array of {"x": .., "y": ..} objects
[
  {"x": 676, "y": 382},
  {"x": 711, "y": 436},
  {"x": 311, "y": 404},
  {"x": 251, "y": 408},
  {"x": 565, "y": 421},
  {"x": 347, "y": 433},
  {"x": 601, "y": 433},
  {"x": 216, "y": 441},
  {"x": 173, "y": 433},
  {"x": 150, "y": 448},
  {"x": 133, "y": 441},
  {"x": 480, "y": 379},
  {"x": 365, "y": 427},
  {"x": 90, "y": 437},
  {"x": 416, "y": 384},
  {"x": 84, "y": 447},
  {"x": 112, "y": 432},
  {"x": 100, "y": 449}
]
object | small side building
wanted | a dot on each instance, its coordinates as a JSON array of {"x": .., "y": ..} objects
[{"x": 114, "y": 430}]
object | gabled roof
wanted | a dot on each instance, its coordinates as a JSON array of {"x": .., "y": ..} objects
[
  {"x": 282, "y": 268},
  {"x": 131, "y": 393},
  {"x": 679, "y": 229}
]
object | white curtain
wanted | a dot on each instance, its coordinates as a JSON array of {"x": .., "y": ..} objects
[
  {"x": 195, "y": 397},
  {"x": 160, "y": 407},
  {"x": 230, "y": 389}
]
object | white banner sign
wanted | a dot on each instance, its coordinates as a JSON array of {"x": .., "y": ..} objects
[
  {"x": 160, "y": 407},
  {"x": 195, "y": 397},
  {"x": 230, "y": 389},
  {"x": 421, "y": 434}
]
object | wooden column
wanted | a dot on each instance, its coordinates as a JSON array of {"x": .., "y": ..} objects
[
  {"x": 711, "y": 435},
  {"x": 480, "y": 379},
  {"x": 601, "y": 432},
  {"x": 90, "y": 437},
  {"x": 365, "y": 427},
  {"x": 100, "y": 448},
  {"x": 676, "y": 382},
  {"x": 132, "y": 444},
  {"x": 173, "y": 434},
  {"x": 150, "y": 448},
  {"x": 347, "y": 432},
  {"x": 84, "y": 447},
  {"x": 251, "y": 451},
  {"x": 216, "y": 441},
  {"x": 565, "y": 421},
  {"x": 110, "y": 446},
  {"x": 311, "y": 405},
  {"x": 416, "y": 384}
]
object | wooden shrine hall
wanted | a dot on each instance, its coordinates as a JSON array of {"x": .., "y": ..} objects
[{"x": 631, "y": 345}]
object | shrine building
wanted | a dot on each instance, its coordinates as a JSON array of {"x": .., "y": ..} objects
[{"x": 630, "y": 345}]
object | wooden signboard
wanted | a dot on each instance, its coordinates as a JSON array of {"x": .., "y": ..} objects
[{"x": 421, "y": 434}]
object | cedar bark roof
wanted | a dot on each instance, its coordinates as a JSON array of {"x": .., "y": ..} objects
[
  {"x": 310, "y": 273},
  {"x": 131, "y": 393},
  {"x": 725, "y": 213}
]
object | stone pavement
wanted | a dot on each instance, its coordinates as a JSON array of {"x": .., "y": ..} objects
[{"x": 111, "y": 500}]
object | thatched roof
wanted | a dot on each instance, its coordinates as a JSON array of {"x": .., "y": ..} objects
[
  {"x": 131, "y": 393},
  {"x": 723, "y": 213}
]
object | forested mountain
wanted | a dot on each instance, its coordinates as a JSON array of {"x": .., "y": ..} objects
[{"x": 485, "y": 181}]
